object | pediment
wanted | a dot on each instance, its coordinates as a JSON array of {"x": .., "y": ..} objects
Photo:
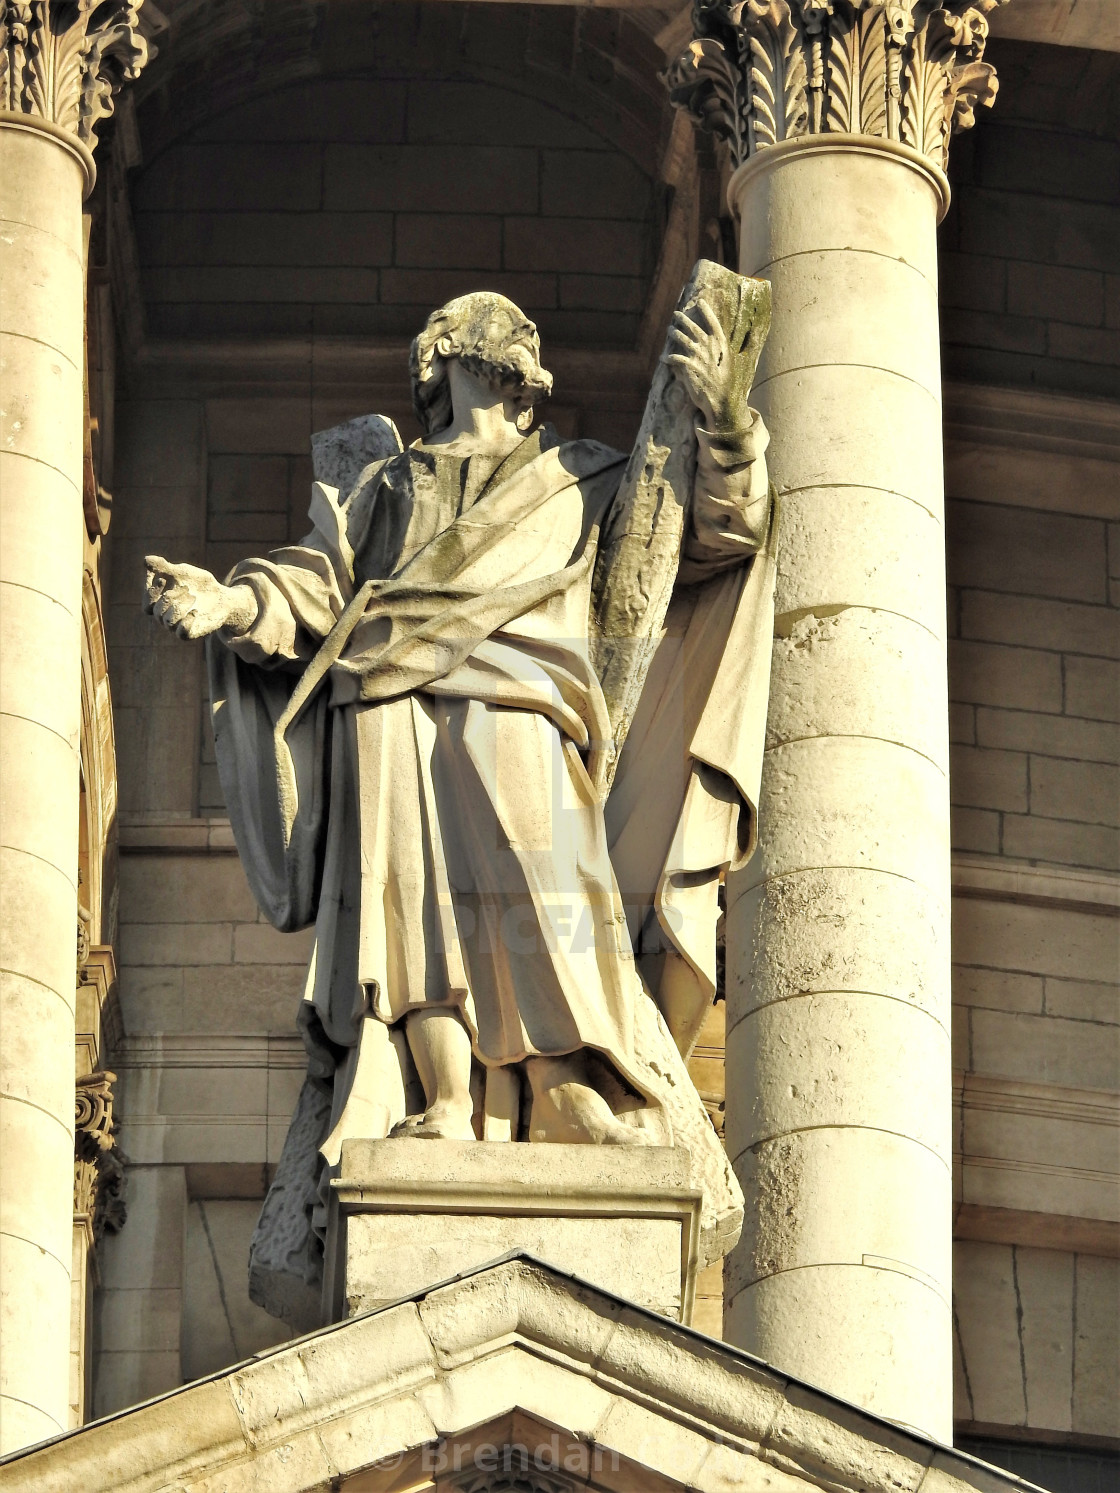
[
  {"x": 518, "y": 1452},
  {"x": 513, "y": 1377}
]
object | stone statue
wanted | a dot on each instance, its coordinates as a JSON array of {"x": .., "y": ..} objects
[{"x": 495, "y": 726}]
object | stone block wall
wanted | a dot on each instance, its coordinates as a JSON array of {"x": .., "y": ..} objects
[
  {"x": 160, "y": 506},
  {"x": 1030, "y": 289},
  {"x": 292, "y": 216},
  {"x": 1037, "y": 1338},
  {"x": 1034, "y": 679},
  {"x": 1034, "y": 682},
  {"x": 207, "y": 1080},
  {"x": 356, "y": 206}
]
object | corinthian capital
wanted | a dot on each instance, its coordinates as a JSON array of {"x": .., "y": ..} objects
[
  {"x": 98, "y": 1164},
  {"x": 61, "y": 61},
  {"x": 761, "y": 71}
]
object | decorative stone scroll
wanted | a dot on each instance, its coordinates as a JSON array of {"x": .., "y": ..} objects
[
  {"x": 62, "y": 63},
  {"x": 761, "y": 71},
  {"x": 99, "y": 1180}
]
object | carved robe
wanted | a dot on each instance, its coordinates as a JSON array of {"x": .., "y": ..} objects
[{"x": 433, "y": 804}]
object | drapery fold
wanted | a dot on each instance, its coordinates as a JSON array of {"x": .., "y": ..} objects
[{"x": 407, "y": 737}]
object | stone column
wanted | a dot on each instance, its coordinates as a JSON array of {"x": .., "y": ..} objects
[
  {"x": 59, "y": 66},
  {"x": 837, "y": 116}
]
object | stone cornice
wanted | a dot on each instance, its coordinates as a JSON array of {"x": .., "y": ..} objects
[
  {"x": 61, "y": 65},
  {"x": 990, "y": 878},
  {"x": 995, "y": 879},
  {"x": 758, "y": 72},
  {"x": 1033, "y": 419}
]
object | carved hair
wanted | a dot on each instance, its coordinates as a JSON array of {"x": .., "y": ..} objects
[{"x": 491, "y": 337}]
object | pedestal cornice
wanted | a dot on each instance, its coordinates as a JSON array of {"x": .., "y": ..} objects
[
  {"x": 762, "y": 72},
  {"x": 60, "y": 67}
]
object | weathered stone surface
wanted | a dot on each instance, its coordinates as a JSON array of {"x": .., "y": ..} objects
[
  {"x": 636, "y": 566},
  {"x": 514, "y": 1355},
  {"x": 847, "y": 946},
  {"x": 52, "y": 87},
  {"x": 285, "y": 1255},
  {"x": 339, "y": 455},
  {"x": 409, "y": 1212},
  {"x": 836, "y": 929},
  {"x": 589, "y": 1058}
]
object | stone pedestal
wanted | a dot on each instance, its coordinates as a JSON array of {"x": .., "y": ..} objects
[{"x": 406, "y": 1214}]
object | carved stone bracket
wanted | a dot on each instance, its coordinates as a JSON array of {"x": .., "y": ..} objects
[
  {"x": 61, "y": 63},
  {"x": 761, "y": 71},
  {"x": 99, "y": 1180}
]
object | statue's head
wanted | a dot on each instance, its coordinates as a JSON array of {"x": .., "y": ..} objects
[{"x": 492, "y": 338}]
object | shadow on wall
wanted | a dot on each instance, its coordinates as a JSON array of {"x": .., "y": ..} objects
[
  {"x": 220, "y": 1324},
  {"x": 1062, "y": 1469},
  {"x": 353, "y": 207},
  {"x": 1029, "y": 249}
]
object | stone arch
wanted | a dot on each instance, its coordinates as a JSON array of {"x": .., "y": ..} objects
[
  {"x": 599, "y": 66},
  {"x": 351, "y": 204}
]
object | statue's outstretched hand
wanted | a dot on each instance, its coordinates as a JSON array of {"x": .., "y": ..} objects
[
  {"x": 191, "y": 602},
  {"x": 700, "y": 356}
]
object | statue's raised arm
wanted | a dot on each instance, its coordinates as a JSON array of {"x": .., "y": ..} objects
[
  {"x": 704, "y": 378},
  {"x": 681, "y": 630}
]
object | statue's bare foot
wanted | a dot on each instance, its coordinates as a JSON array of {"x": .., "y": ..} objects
[
  {"x": 440, "y": 1122},
  {"x": 568, "y": 1110}
]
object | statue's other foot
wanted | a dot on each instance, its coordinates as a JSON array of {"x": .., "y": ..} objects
[
  {"x": 440, "y": 1122},
  {"x": 568, "y": 1110}
]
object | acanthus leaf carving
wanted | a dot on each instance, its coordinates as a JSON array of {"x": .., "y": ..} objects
[
  {"x": 972, "y": 83},
  {"x": 925, "y": 124},
  {"x": 63, "y": 60},
  {"x": 779, "y": 106},
  {"x": 857, "y": 72},
  {"x": 744, "y": 77},
  {"x": 709, "y": 86},
  {"x": 762, "y": 71},
  {"x": 99, "y": 1176}
]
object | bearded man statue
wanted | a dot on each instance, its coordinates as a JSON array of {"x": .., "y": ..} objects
[{"x": 419, "y": 714}]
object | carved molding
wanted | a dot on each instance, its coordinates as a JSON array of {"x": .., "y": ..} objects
[
  {"x": 61, "y": 61},
  {"x": 99, "y": 1180},
  {"x": 97, "y": 1021},
  {"x": 761, "y": 71}
]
